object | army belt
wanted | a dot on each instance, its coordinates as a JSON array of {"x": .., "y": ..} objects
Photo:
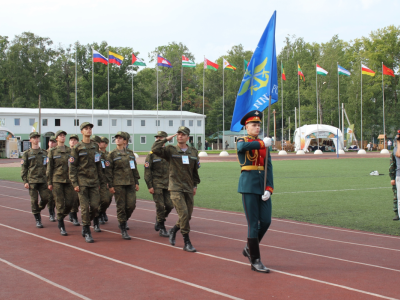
[{"x": 251, "y": 168}]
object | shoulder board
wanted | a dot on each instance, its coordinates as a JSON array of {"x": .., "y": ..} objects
[{"x": 151, "y": 152}]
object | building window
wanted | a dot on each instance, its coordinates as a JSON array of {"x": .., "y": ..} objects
[
  {"x": 183, "y": 123},
  {"x": 157, "y": 123},
  {"x": 190, "y": 123},
  {"x": 198, "y": 123},
  {"x": 100, "y": 122},
  {"x": 142, "y": 122},
  {"x": 128, "y": 122},
  {"x": 31, "y": 122},
  {"x": 76, "y": 122},
  {"x": 113, "y": 122},
  {"x": 143, "y": 140},
  {"x": 57, "y": 122},
  {"x": 44, "y": 122},
  {"x": 171, "y": 122},
  {"x": 17, "y": 121}
]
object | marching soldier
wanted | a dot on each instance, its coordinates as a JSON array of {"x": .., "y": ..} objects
[
  {"x": 183, "y": 180},
  {"x": 33, "y": 174},
  {"x": 73, "y": 215},
  {"x": 58, "y": 179},
  {"x": 256, "y": 200},
  {"x": 394, "y": 173},
  {"x": 86, "y": 175},
  {"x": 128, "y": 136},
  {"x": 123, "y": 181},
  {"x": 156, "y": 174},
  {"x": 105, "y": 195},
  {"x": 51, "y": 205}
]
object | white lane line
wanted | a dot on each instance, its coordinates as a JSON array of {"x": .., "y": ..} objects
[
  {"x": 127, "y": 264},
  {"x": 209, "y": 255},
  {"x": 323, "y": 191},
  {"x": 45, "y": 279},
  {"x": 275, "y": 219}
]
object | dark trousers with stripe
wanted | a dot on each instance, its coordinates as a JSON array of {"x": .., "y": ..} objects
[{"x": 258, "y": 215}]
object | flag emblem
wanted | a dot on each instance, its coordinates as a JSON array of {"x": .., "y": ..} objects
[
  {"x": 71, "y": 159},
  {"x": 255, "y": 82},
  {"x": 162, "y": 62}
]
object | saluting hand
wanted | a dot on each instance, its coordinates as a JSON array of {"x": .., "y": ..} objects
[{"x": 171, "y": 137}]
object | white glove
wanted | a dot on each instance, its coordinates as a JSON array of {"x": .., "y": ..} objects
[
  {"x": 267, "y": 142},
  {"x": 266, "y": 196}
]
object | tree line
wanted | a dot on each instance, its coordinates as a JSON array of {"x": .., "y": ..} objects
[{"x": 31, "y": 65}]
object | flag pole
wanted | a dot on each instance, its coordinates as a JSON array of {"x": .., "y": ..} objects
[
  {"x": 282, "y": 105},
  {"x": 316, "y": 92},
  {"x": 383, "y": 101},
  {"x": 133, "y": 130},
  {"x": 181, "y": 90},
  {"x": 157, "y": 91},
  {"x": 92, "y": 87},
  {"x": 338, "y": 93},
  {"x": 76, "y": 91},
  {"x": 362, "y": 145},
  {"x": 298, "y": 89},
  {"x": 204, "y": 120},
  {"x": 223, "y": 107},
  {"x": 108, "y": 98}
]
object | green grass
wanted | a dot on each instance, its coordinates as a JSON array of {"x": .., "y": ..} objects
[{"x": 303, "y": 191}]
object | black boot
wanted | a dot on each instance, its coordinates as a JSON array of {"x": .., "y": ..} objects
[
  {"x": 52, "y": 216},
  {"x": 71, "y": 216},
  {"x": 87, "y": 234},
  {"x": 38, "y": 221},
  {"x": 101, "y": 219},
  {"x": 105, "y": 217},
  {"x": 246, "y": 252},
  {"x": 157, "y": 225},
  {"x": 75, "y": 219},
  {"x": 254, "y": 249},
  {"x": 125, "y": 235},
  {"x": 126, "y": 225},
  {"x": 61, "y": 226},
  {"x": 96, "y": 224},
  {"x": 188, "y": 245},
  {"x": 172, "y": 235},
  {"x": 163, "y": 231}
]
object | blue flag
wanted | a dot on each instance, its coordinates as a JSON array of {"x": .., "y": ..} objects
[{"x": 260, "y": 79}]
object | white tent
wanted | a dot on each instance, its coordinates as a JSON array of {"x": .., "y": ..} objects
[{"x": 305, "y": 134}]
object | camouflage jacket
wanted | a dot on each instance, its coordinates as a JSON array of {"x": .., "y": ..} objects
[
  {"x": 33, "y": 166},
  {"x": 183, "y": 166},
  {"x": 83, "y": 170},
  {"x": 58, "y": 165},
  {"x": 103, "y": 157},
  {"x": 393, "y": 165},
  {"x": 119, "y": 170},
  {"x": 156, "y": 172}
]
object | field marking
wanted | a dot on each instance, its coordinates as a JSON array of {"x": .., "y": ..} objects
[
  {"x": 45, "y": 279},
  {"x": 199, "y": 253},
  {"x": 344, "y": 190}
]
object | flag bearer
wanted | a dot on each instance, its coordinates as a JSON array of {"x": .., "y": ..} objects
[
  {"x": 73, "y": 215},
  {"x": 256, "y": 200}
]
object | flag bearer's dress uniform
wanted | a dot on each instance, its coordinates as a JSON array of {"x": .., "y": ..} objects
[{"x": 251, "y": 153}]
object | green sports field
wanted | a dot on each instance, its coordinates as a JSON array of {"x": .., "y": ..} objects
[{"x": 330, "y": 192}]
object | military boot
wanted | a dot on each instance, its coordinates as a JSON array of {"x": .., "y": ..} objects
[
  {"x": 125, "y": 235},
  {"x": 163, "y": 231},
  {"x": 96, "y": 224},
  {"x": 157, "y": 225},
  {"x": 52, "y": 214},
  {"x": 61, "y": 226},
  {"x": 75, "y": 219},
  {"x": 105, "y": 217},
  {"x": 38, "y": 221},
  {"x": 87, "y": 234},
  {"x": 246, "y": 252},
  {"x": 396, "y": 218},
  {"x": 188, "y": 245},
  {"x": 254, "y": 249},
  {"x": 71, "y": 217},
  {"x": 126, "y": 225},
  {"x": 101, "y": 219},
  {"x": 172, "y": 235}
]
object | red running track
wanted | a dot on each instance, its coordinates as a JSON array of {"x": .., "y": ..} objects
[{"x": 307, "y": 261}]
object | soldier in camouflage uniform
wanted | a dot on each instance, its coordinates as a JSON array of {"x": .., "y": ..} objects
[
  {"x": 156, "y": 175},
  {"x": 394, "y": 169},
  {"x": 51, "y": 205},
  {"x": 123, "y": 180},
  {"x": 58, "y": 179},
  {"x": 33, "y": 174},
  {"x": 86, "y": 175},
  {"x": 73, "y": 215},
  {"x": 105, "y": 195},
  {"x": 183, "y": 180},
  {"x": 128, "y": 136}
]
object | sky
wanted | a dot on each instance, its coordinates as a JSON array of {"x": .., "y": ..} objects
[{"x": 206, "y": 27}]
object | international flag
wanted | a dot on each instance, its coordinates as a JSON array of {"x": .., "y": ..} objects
[
  {"x": 283, "y": 72},
  {"x": 187, "y": 63},
  {"x": 162, "y": 62},
  {"x": 367, "y": 71},
  {"x": 321, "y": 71},
  {"x": 115, "y": 58},
  {"x": 246, "y": 64},
  {"x": 300, "y": 73},
  {"x": 136, "y": 61},
  {"x": 228, "y": 66},
  {"x": 387, "y": 71},
  {"x": 343, "y": 71},
  {"x": 210, "y": 65},
  {"x": 97, "y": 57}
]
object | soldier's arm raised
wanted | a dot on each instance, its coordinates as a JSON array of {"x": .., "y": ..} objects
[{"x": 158, "y": 148}]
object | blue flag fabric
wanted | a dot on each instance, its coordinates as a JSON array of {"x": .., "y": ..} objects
[{"x": 260, "y": 79}]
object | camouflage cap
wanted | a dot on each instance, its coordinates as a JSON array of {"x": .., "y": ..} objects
[
  {"x": 53, "y": 139},
  {"x": 84, "y": 124},
  {"x": 184, "y": 130},
  {"x": 161, "y": 134},
  {"x": 59, "y": 132},
  {"x": 121, "y": 134},
  {"x": 95, "y": 138},
  {"x": 33, "y": 134},
  {"x": 74, "y": 136},
  {"x": 105, "y": 140},
  {"x": 128, "y": 136}
]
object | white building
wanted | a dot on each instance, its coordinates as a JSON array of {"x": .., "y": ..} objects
[{"x": 19, "y": 122}]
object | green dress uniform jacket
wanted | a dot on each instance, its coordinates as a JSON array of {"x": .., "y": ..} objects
[
  {"x": 58, "y": 165},
  {"x": 182, "y": 177},
  {"x": 118, "y": 168},
  {"x": 33, "y": 166},
  {"x": 156, "y": 172}
]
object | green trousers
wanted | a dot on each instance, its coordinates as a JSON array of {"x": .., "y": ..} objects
[
  {"x": 63, "y": 194},
  {"x": 105, "y": 198},
  {"x": 162, "y": 199},
  {"x": 89, "y": 199},
  {"x": 183, "y": 203},
  {"x": 75, "y": 203},
  {"x": 45, "y": 195},
  {"x": 258, "y": 215},
  {"x": 125, "y": 197}
]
